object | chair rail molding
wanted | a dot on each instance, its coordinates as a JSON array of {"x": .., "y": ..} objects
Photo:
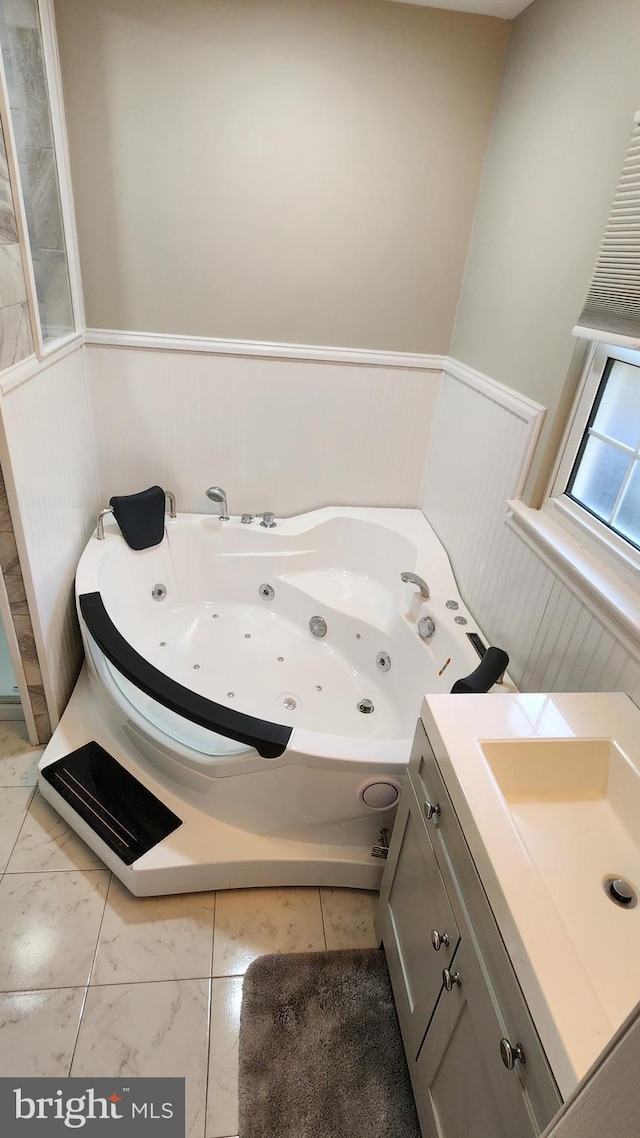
[{"x": 368, "y": 357}]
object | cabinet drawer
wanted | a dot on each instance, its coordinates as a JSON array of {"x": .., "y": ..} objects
[{"x": 477, "y": 924}]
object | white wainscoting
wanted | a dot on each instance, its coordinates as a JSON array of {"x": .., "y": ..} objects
[
  {"x": 575, "y": 646},
  {"x": 556, "y": 638},
  {"x": 282, "y": 434},
  {"x": 50, "y": 472},
  {"x": 291, "y": 434},
  {"x": 281, "y": 427},
  {"x": 482, "y": 438}
]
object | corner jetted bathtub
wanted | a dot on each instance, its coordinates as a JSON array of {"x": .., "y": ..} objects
[{"x": 264, "y": 685}]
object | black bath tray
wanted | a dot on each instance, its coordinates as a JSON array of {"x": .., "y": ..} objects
[{"x": 121, "y": 811}]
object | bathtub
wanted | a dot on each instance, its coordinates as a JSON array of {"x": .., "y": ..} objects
[{"x": 264, "y": 684}]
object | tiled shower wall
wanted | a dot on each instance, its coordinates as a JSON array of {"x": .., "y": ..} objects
[
  {"x": 21, "y": 619},
  {"x": 37, "y": 566},
  {"x": 23, "y": 60},
  {"x": 556, "y": 639},
  {"x": 48, "y": 453},
  {"x": 15, "y": 332},
  {"x": 15, "y": 345}
]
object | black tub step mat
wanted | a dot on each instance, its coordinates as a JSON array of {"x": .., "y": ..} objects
[{"x": 121, "y": 811}]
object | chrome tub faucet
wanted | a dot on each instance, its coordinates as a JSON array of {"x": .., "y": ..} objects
[
  {"x": 217, "y": 494},
  {"x": 414, "y": 579},
  {"x": 268, "y": 519}
]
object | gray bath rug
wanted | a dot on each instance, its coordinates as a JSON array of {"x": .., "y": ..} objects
[{"x": 320, "y": 1049}]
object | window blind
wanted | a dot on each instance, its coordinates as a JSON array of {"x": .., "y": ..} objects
[{"x": 612, "y": 308}]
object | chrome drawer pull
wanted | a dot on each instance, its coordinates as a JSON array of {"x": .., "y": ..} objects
[
  {"x": 439, "y": 939},
  {"x": 431, "y": 810},
  {"x": 450, "y": 978},
  {"x": 509, "y": 1054}
]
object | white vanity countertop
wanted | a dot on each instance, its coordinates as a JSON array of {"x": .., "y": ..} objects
[{"x": 543, "y": 862}]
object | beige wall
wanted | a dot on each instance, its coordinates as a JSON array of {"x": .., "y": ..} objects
[
  {"x": 570, "y": 90},
  {"x": 287, "y": 170}
]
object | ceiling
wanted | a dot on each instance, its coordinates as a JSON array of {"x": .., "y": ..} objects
[{"x": 506, "y": 9}]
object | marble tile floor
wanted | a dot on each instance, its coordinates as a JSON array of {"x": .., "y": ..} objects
[{"x": 96, "y": 982}]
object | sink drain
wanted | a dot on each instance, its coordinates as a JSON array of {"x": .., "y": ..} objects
[{"x": 621, "y": 892}]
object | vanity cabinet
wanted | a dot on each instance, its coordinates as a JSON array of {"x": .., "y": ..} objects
[{"x": 477, "y": 1066}]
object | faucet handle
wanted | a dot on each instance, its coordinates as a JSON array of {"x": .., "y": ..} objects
[{"x": 268, "y": 520}]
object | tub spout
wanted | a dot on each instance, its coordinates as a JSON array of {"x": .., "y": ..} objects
[
  {"x": 414, "y": 579},
  {"x": 217, "y": 494}
]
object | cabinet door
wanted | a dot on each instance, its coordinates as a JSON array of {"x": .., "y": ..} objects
[
  {"x": 413, "y": 903},
  {"x": 461, "y": 1087}
]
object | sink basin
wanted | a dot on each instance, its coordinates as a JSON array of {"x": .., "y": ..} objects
[
  {"x": 559, "y": 770},
  {"x": 543, "y": 778},
  {"x": 576, "y": 806}
]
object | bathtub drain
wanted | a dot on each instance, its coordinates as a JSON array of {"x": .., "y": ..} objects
[
  {"x": 620, "y": 891},
  {"x": 365, "y": 706}
]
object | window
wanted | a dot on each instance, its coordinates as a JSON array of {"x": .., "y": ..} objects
[
  {"x": 605, "y": 478},
  {"x": 588, "y": 528},
  {"x": 596, "y": 487}
]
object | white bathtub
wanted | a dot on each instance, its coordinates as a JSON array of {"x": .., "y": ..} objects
[{"x": 207, "y": 683}]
